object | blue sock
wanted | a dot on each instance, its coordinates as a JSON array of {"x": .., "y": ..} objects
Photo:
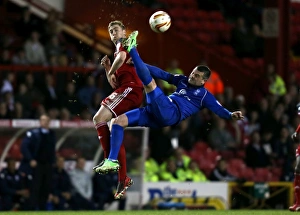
[
  {"x": 116, "y": 139},
  {"x": 141, "y": 69}
]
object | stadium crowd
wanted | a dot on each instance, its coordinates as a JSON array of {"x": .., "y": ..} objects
[{"x": 261, "y": 140}]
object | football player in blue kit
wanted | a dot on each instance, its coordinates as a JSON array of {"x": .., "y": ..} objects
[{"x": 161, "y": 110}]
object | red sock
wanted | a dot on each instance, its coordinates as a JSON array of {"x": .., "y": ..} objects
[
  {"x": 297, "y": 188},
  {"x": 122, "y": 161},
  {"x": 104, "y": 137}
]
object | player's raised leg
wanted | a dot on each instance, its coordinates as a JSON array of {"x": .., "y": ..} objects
[{"x": 141, "y": 68}]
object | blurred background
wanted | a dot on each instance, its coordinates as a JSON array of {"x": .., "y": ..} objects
[{"x": 49, "y": 63}]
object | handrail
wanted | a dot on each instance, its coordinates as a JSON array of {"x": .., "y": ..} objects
[
  {"x": 40, "y": 8},
  {"x": 31, "y": 68}
]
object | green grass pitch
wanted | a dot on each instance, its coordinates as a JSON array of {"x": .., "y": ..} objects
[{"x": 157, "y": 212}]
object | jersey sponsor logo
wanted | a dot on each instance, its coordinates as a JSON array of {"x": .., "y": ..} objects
[
  {"x": 197, "y": 92},
  {"x": 182, "y": 91}
]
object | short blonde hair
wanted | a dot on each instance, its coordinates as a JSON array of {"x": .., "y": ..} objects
[{"x": 116, "y": 22}]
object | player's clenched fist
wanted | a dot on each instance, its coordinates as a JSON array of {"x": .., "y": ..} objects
[{"x": 236, "y": 115}]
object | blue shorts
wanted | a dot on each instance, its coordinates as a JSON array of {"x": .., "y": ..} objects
[{"x": 160, "y": 111}]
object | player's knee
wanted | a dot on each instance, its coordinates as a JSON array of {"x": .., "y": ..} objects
[
  {"x": 121, "y": 120},
  {"x": 96, "y": 118},
  {"x": 151, "y": 86}
]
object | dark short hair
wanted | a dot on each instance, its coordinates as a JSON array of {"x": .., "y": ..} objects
[
  {"x": 116, "y": 22},
  {"x": 205, "y": 70}
]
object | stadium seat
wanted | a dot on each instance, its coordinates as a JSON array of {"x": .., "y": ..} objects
[
  {"x": 250, "y": 63},
  {"x": 227, "y": 50},
  {"x": 205, "y": 38},
  {"x": 227, "y": 154},
  {"x": 200, "y": 146},
  {"x": 262, "y": 175},
  {"x": 15, "y": 151},
  {"x": 190, "y": 3},
  {"x": 215, "y": 16},
  {"x": 237, "y": 163},
  {"x": 247, "y": 173},
  {"x": 202, "y": 15}
]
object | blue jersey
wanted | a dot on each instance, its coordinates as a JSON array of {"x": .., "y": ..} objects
[{"x": 190, "y": 99}]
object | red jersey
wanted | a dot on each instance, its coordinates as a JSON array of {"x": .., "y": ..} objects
[{"x": 126, "y": 74}]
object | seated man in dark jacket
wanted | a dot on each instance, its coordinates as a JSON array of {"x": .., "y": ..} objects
[
  {"x": 103, "y": 190},
  {"x": 13, "y": 188},
  {"x": 61, "y": 186}
]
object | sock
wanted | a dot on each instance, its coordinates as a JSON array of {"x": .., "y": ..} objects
[
  {"x": 116, "y": 139},
  {"x": 104, "y": 137},
  {"x": 297, "y": 188},
  {"x": 122, "y": 160},
  {"x": 141, "y": 69},
  {"x": 298, "y": 129}
]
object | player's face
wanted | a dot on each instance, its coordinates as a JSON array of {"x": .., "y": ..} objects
[
  {"x": 196, "y": 78},
  {"x": 116, "y": 32}
]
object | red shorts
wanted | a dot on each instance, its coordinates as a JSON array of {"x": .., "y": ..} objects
[
  {"x": 298, "y": 151},
  {"x": 124, "y": 99}
]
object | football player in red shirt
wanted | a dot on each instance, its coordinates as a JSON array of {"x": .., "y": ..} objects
[
  {"x": 295, "y": 137},
  {"x": 127, "y": 95}
]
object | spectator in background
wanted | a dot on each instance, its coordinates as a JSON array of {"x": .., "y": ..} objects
[
  {"x": 87, "y": 91},
  {"x": 253, "y": 123},
  {"x": 34, "y": 92},
  {"x": 83, "y": 187},
  {"x": 7, "y": 84},
  {"x": 19, "y": 58},
  {"x": 181, "y": 160},
  {"x": 172, "y": 68},
  {"x": 34, "y": 50},
  {"x": 52, "y": 25},
  {"x": 258, "y": 41},
  {"x": 277, "y": 84},
  {"x": 69, "y": 99},
  {"x": 5, "y": 58},
  {"x": 53, "y": 47},
  {"x": 214, "y": 84},
  {"x": 4, "y": 113},
  {"x": 220, "y": 173},
  {"x": 255, "y": 150},
  {"x": 51, "y": 99},
  {"x": 103, "y": 191},
  {"x": 27, "y": 23},
  {"x": 240, "y": 38},
  {"x": 193, "y": 173},
  {"x": 220, "y": 138},
  {"x": 160, "y": 143},
  {"x": 14, "y": 190},
  {"x": 151, "y": 168},
  {"x": 38, "y": 150},
  {"x": 61, "y": 186},
  {"x": 65, "y": 114},
  {"x": 284, "y": 150},
  {"x": 171, "y": 172},
  {"x": 24, "y": 98}
]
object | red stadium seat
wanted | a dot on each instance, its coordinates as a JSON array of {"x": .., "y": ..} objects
[
  {"x": 247, "y": 174},
  {"x": 216, "y": 16},
  {"x": 236, "y": 163},
  {"x": 204, "y": 37},
  {"x": 250, "y": 63},
  {"x": 227, "y": 50},
  {"x": 202, "y": 15},
  {"x": 262, "y": 174},
  {"x": 201, "y": 146}
]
